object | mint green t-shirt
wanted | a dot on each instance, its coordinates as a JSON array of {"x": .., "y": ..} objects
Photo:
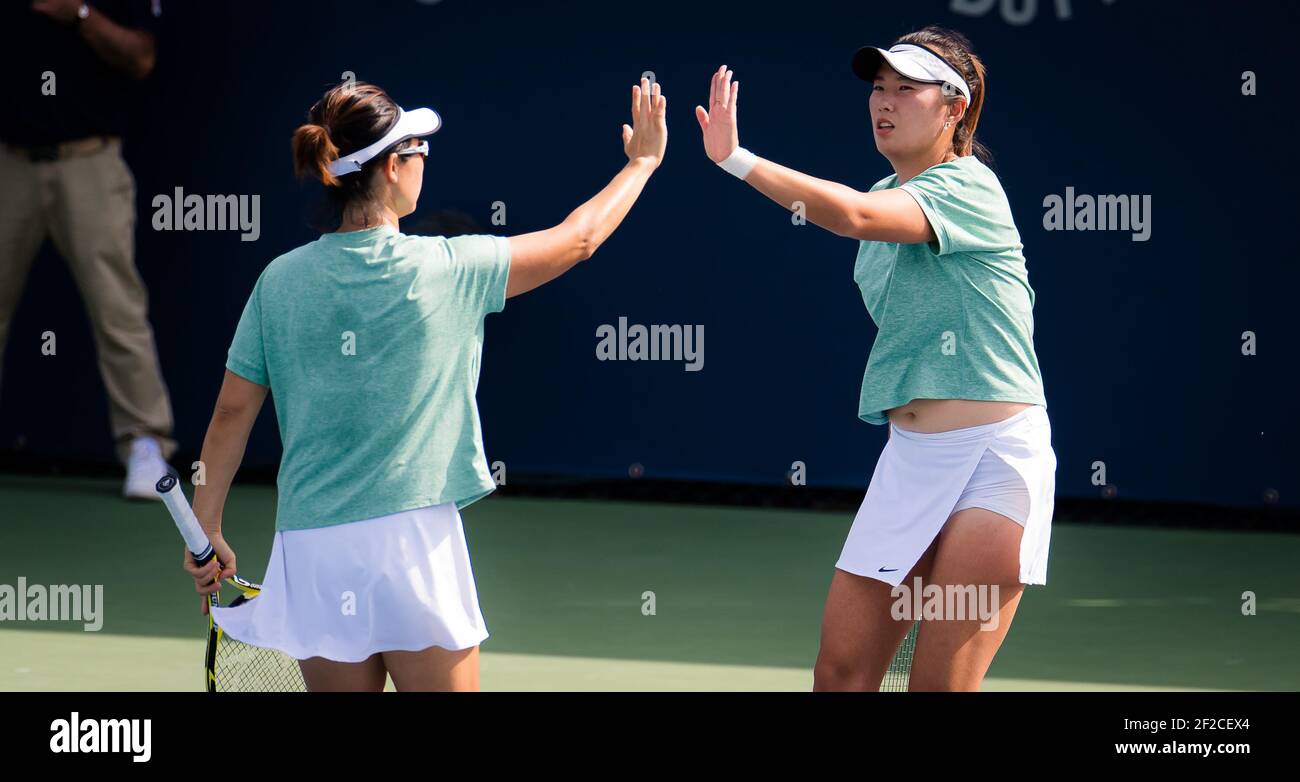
[
  {"x": 954, "y": 316},
  {"x": 370, "y": 342}
]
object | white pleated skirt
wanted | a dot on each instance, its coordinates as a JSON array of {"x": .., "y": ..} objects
[
  {"x": 400, "y": 582},
  {"x": 921, "y": 479}
]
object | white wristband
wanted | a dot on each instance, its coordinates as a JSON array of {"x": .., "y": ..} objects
[{"x": 739, "y": 163}]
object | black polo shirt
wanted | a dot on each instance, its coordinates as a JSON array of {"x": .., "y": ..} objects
[{"x": 92, "y": 98}]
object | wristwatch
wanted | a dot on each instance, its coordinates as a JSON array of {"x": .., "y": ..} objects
[{"x": 83, "y": 12}]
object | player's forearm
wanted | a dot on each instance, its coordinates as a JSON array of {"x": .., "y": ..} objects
[
  {"x": 127, "y": 50},
  {"x": 825, "y": 203},
  {"x": 596, "y": 219},
  {"x": 223, "y": 451}
]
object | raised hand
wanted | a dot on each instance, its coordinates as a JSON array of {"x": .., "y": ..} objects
[
  {"x": 647, "y": 137},
  {"x": 719, "y": 122},
  {"x": 58, "y": 10}
]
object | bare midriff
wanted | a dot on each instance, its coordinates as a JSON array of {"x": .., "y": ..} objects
[{"x": 941, "y": 415}]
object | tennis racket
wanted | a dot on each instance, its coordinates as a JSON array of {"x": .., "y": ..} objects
[
  {"x": 228, "y": 665},
  {"x": 900, "y": 668}
]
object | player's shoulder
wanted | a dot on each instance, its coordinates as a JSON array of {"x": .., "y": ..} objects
[
  {"x": 885, "y": 183},
  {"x": 965, "y": 171},
  {"x": 965, "y": 179},
  {"x": 291, "y": 263},
  {"x": 462, "y": 242},
  {"x": 421, "y": 243},
  {"x": 959, "y": 172},
  {"x": 461, "y": 247}
]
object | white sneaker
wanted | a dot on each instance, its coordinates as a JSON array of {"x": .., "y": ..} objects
[{"x": 143, "y": 469}]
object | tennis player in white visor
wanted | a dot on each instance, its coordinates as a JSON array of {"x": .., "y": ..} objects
[
  {"x": 371, "y": 341},
  {"x": 962, "y": 494}
]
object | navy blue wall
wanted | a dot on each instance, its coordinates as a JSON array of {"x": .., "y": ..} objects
[{"x": 1139, "y": 342}]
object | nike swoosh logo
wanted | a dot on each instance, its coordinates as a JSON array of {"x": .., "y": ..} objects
[{"x": 887, "y": 570}]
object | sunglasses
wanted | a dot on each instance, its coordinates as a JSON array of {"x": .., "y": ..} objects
[{"x": 419, "y": 149}]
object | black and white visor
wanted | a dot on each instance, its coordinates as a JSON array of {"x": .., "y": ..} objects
[{"x": 915, "y": 62}]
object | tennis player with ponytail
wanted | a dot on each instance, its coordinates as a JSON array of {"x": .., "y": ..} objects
[
  {"x": 370, "y": 340},
  {"x": 962, "y": 494}
]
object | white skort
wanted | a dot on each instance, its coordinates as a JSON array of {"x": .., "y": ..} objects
[
  {"x": 921, "y": 479},
  {"x": 400, "y": 582}
]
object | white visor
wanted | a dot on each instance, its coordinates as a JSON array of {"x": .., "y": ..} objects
[
  {"x": 915, "y": 62},
  {"x": 410, "y": 124}
]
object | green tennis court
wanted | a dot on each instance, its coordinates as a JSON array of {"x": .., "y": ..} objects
[{"x": 737, "y": 595}]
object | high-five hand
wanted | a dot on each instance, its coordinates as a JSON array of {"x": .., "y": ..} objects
[
  {"x": 647, "y": 137},
  {"x": 58, "y": 10},
  {"x": 719, "y": 123}
]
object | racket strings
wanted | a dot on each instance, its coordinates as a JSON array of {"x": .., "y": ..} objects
[
  {"x": 900, "y": 668},
  {"x": 241, "y": 667}
]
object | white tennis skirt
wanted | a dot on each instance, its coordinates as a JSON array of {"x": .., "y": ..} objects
[
  {"x": 921, "y": 479},
  {"x": 400, "y": 582}
]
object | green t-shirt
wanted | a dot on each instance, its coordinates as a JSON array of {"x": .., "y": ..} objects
[
  {"x": 955, "y": 316},
  {"x": 370, "y": 342}
]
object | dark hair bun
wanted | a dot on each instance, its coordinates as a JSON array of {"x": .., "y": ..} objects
[{"x": 313, "y": 151}]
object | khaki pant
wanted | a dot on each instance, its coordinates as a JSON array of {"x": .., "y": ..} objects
[{"x": 86, "y": 204}]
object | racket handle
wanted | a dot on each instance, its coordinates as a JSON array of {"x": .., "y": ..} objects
[{"x": 169, "y": 488}]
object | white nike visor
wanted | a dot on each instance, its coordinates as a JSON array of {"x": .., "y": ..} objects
[{"x": 410, "y": 124}]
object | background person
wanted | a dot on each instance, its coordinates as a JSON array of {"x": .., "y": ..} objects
[{"x": 62, "y": 176}]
